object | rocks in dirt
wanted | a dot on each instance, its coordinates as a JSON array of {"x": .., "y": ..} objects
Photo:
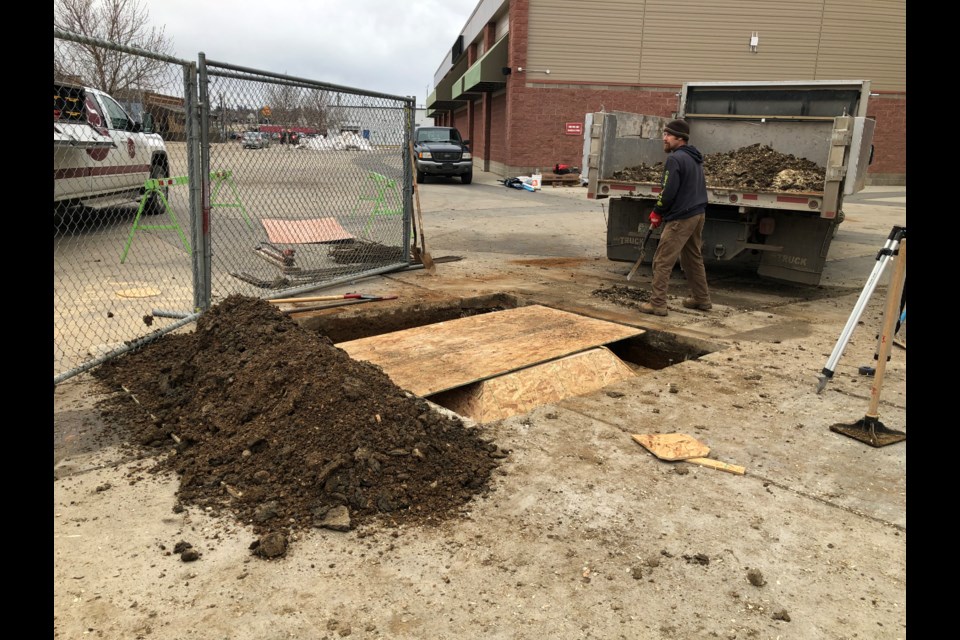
[
  {"x": 756, "y": 167},
  {"x": 337, "y": 519},
  {"x": 186, "y": 551},
  {"x": 781, "y": 614}
]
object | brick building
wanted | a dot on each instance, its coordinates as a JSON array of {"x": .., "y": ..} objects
[{"x": 522, "y": 73}]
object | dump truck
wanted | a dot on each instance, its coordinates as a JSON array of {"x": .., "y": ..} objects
[{"x": 783, "y": 233}]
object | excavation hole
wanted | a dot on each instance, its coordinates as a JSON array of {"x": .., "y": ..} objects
[
  {"x": 489, "y": 396},
  {"x": 660, "y": 349}
]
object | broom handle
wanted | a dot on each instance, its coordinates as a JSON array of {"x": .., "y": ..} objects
[{"x": 889, "y": 321}]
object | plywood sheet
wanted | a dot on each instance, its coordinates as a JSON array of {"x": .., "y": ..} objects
[
  {"x": 524, "y": 390},
  {"x": 433, "y": 358},
  {"x": 304, "y": 231}
]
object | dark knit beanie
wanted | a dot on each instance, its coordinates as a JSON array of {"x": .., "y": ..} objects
[{"x": 678, "y": 128}]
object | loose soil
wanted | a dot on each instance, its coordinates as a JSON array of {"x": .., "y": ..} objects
[
  {"x": 757, "y": 167},
  {"x": 273, "y": 425}
]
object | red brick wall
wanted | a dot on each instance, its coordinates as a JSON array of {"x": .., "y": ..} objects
[
  {"x": 538, "y": 119},
  {"x": 498, "y": 122},
  {"x": 889, "y": 139}
]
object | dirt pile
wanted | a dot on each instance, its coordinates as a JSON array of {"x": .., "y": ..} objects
[
  {"x": 278, "y": 427},
  {"x": 757, "y": 168}
]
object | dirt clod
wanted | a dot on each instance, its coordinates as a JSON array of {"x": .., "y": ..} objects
[{"x": 756, "y": 578}]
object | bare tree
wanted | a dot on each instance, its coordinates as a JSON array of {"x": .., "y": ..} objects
[
  {"x": 292, "y": 106},
  {"x": 123, "y": 22}
]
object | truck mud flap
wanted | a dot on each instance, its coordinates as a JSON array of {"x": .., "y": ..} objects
[
  {"x": 805, "y": 241},
  {"x": 626, "y": 224}
]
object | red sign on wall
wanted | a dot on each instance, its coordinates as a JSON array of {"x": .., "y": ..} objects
[{"x": 574, "y": 129}]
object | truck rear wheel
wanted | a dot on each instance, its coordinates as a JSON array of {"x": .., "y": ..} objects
[{"x": 155, "y": 206}]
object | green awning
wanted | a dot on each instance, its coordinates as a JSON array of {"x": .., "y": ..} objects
[
  {"x": 442, "y": 97},
  {"x": 486, "y": 74}
]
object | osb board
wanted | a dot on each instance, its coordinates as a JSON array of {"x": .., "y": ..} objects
[
  {"x": 436, "y": 357},
  {"x": 524, "y": 390},
  {"x": 304, "y": 231}
]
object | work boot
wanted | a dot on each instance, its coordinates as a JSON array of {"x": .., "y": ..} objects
[
  {"x": 691, "y": 303},
  {"x": 646, "y": 307}
]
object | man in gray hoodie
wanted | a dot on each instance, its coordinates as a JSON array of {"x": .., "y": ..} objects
[{"x": 681, "y": 210}]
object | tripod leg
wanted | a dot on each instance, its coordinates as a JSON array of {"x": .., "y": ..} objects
[
  {"x": 883, "y": 258},
  {"x": 889, "y": 320}
]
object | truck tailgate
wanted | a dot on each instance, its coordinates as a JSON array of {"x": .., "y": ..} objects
[{"x": 799, "y": 201}]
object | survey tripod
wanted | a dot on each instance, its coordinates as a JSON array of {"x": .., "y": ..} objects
[
  {"x": 869, "y": 429},
  {"x": 889, "y": 251}
]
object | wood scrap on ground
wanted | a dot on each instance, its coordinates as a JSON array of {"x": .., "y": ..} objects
[{"x": 674, "y": 447}]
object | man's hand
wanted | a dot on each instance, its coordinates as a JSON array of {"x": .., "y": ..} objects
[{"x": 655, "y": 220}]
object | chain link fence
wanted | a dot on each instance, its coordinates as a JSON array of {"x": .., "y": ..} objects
[
  {"x": 182, "y": 183},
  {"x": 311, "y": 182}
]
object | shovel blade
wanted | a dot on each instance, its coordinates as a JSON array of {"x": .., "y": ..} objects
[{"x": 672, "y": 446}]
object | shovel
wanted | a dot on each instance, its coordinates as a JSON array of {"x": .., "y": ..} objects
[
  {"x": 680, "y": 446},
  {"x": 421, "y": 251},
  {"x": 342, "y": 296},
  {"x": 342, "y": 303},
  {"x": 643, "y": 246}
]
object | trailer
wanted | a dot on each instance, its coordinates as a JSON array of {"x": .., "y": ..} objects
[{"x": 785, "y": 235}]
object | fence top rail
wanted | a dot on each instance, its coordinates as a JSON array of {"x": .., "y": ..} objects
[
  {"x": 76, "y": 37},
  {"x": 247, "y": 72}
]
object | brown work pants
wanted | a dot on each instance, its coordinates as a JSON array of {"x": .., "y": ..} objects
[{"x": 683, "y": 239}]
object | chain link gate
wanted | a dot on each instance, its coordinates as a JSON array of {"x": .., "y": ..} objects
[
  {"x": 184, "y": 183},
  {"x": 310, "y": 182}
]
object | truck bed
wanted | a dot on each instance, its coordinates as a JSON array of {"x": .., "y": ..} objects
[{"x": 625, "y": 140}]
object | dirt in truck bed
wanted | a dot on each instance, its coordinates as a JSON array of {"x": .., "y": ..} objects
[
  {"x": 272, "y": 424},
  {"x": 754, "y": 168}
]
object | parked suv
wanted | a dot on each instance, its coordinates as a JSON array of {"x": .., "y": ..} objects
[{"x": 440, "y": 151}]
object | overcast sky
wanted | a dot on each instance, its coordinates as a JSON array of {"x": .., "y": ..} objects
[{"x": 384, "y": 46}]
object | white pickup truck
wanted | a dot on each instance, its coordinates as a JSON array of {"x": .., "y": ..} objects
[{"x": 101, "y": 156}]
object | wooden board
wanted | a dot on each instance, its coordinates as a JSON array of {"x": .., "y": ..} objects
[
  {"x": 672, "y": 446},
  {"x": 524, "y": 390},
  {"x": 436, "y": 357},
  {"x": 316, "y": 230}
]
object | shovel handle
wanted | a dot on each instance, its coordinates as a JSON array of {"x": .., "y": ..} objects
[
  {"x": 343, "y": 296},
  {"x": 717, "y": 464},
  {"x": 643, "y": 246}
]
